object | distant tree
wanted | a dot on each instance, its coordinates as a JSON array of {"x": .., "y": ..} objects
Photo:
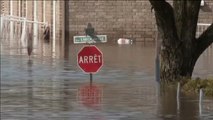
[{"x": 177, "y": 28}]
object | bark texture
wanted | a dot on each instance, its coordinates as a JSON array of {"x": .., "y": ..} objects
[{"x": 177, "y": 28}]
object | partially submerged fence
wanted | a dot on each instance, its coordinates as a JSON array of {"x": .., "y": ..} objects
[{"x": 14, "y": 31}]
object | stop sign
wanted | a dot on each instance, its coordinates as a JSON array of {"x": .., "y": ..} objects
[{"x": 90, "y": 59}]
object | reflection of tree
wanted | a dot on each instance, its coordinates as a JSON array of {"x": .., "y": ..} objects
[
  {"x": 188, "y": 108},
  {"x": 168, "y": 101},
  {"x": 66, "y": 93},
  {"x": 66, "y": 35}
]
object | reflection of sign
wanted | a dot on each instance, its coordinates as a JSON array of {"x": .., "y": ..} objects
[
  {"x": 88, "y": 39},
  {"x": 90, "y": 59},
  {"x": 90, "y": 95}
]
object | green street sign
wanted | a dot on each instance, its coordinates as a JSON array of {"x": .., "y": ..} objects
[{"x": 88, "y": 39}]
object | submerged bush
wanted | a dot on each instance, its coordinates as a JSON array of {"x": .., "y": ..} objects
[{"x": 193, "y": 86}]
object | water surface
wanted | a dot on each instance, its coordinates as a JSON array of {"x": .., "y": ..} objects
[{"x": 47, "y": 88}]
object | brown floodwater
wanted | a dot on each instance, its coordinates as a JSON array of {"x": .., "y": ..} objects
[{"x": 54, "y": 88}]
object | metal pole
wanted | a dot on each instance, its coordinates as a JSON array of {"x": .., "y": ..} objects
[
  {"x": 24, "y": 19},
  {"x": 44, "y": 20},
  {"x": 10, "y": 16},
  {"x": 26, "y": 9},
  {"x": 11, "y": 22},
  {"x": 19, "y": 8},
  {"x": 19, "y": 14},
  {"x": 157, "y": 68},
  {"x": 178, "y": 96},
  {"x": 62, "y": 6},
  {"x": 23, "y": 38},
  {"x": 23, "y": 34},
  {"x": 2, "y": 20},
  {"x": 44, "y": 11},
  {"x": 157, "y": 61},
  {"x": 200, "y": 101},
  {"x": 90, "y": 78},
  {"x": 35, "y": 28},
  {"x": 54, "y": 25}
]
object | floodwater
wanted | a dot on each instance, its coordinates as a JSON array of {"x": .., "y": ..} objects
[{"x": 47, "y": 88}]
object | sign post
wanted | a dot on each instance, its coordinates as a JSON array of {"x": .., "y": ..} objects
[{"x": 90, "y": 60}]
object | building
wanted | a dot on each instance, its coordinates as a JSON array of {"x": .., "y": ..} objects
[
  {"x": 132, "y": 19},
  {"x": 38, "y": 13}
]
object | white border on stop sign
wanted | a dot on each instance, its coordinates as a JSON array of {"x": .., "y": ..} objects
[{"x": 101, "y": 60}]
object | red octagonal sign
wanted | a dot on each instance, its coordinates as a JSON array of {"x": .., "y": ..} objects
[{"x": 90, "y": 59}]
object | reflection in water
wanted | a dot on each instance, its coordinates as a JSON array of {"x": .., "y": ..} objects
[
  {"x": 188, "y": 106},
  {"x": 30, "y": 89},
  {"x": 46, "y": 88},
  {"x": 30, "y": 63},
  {"x": 66, "y": 96},
  {"x": 90, "y": 95},
  {"x": 169, "y": 106}
]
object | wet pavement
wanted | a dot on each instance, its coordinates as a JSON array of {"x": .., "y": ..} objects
[{"x": 46, "y": 88}]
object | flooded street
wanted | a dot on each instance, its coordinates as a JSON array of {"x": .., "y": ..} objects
[{"x": 47, "y": 88}]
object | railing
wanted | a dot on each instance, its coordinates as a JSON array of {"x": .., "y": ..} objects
[
  {"x": 14, "y": 30},
  {"x": 201, "y": 27}
]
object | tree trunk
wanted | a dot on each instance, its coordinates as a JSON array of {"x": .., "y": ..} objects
[
  {"x": 176, "y": 64},
  {"x": 177, "y": 27}
]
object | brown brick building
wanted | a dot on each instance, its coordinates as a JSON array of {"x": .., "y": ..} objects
[
  {"x": 121, "y": 18},
  {"x": 115, "y": 18}
]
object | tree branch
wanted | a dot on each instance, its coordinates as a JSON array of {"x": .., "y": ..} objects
[
  {"x": 205, "y": 40},
  {"x": 164, "y": 15}
]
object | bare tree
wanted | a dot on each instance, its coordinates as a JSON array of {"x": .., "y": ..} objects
[{"x": 177, "y": 28}]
